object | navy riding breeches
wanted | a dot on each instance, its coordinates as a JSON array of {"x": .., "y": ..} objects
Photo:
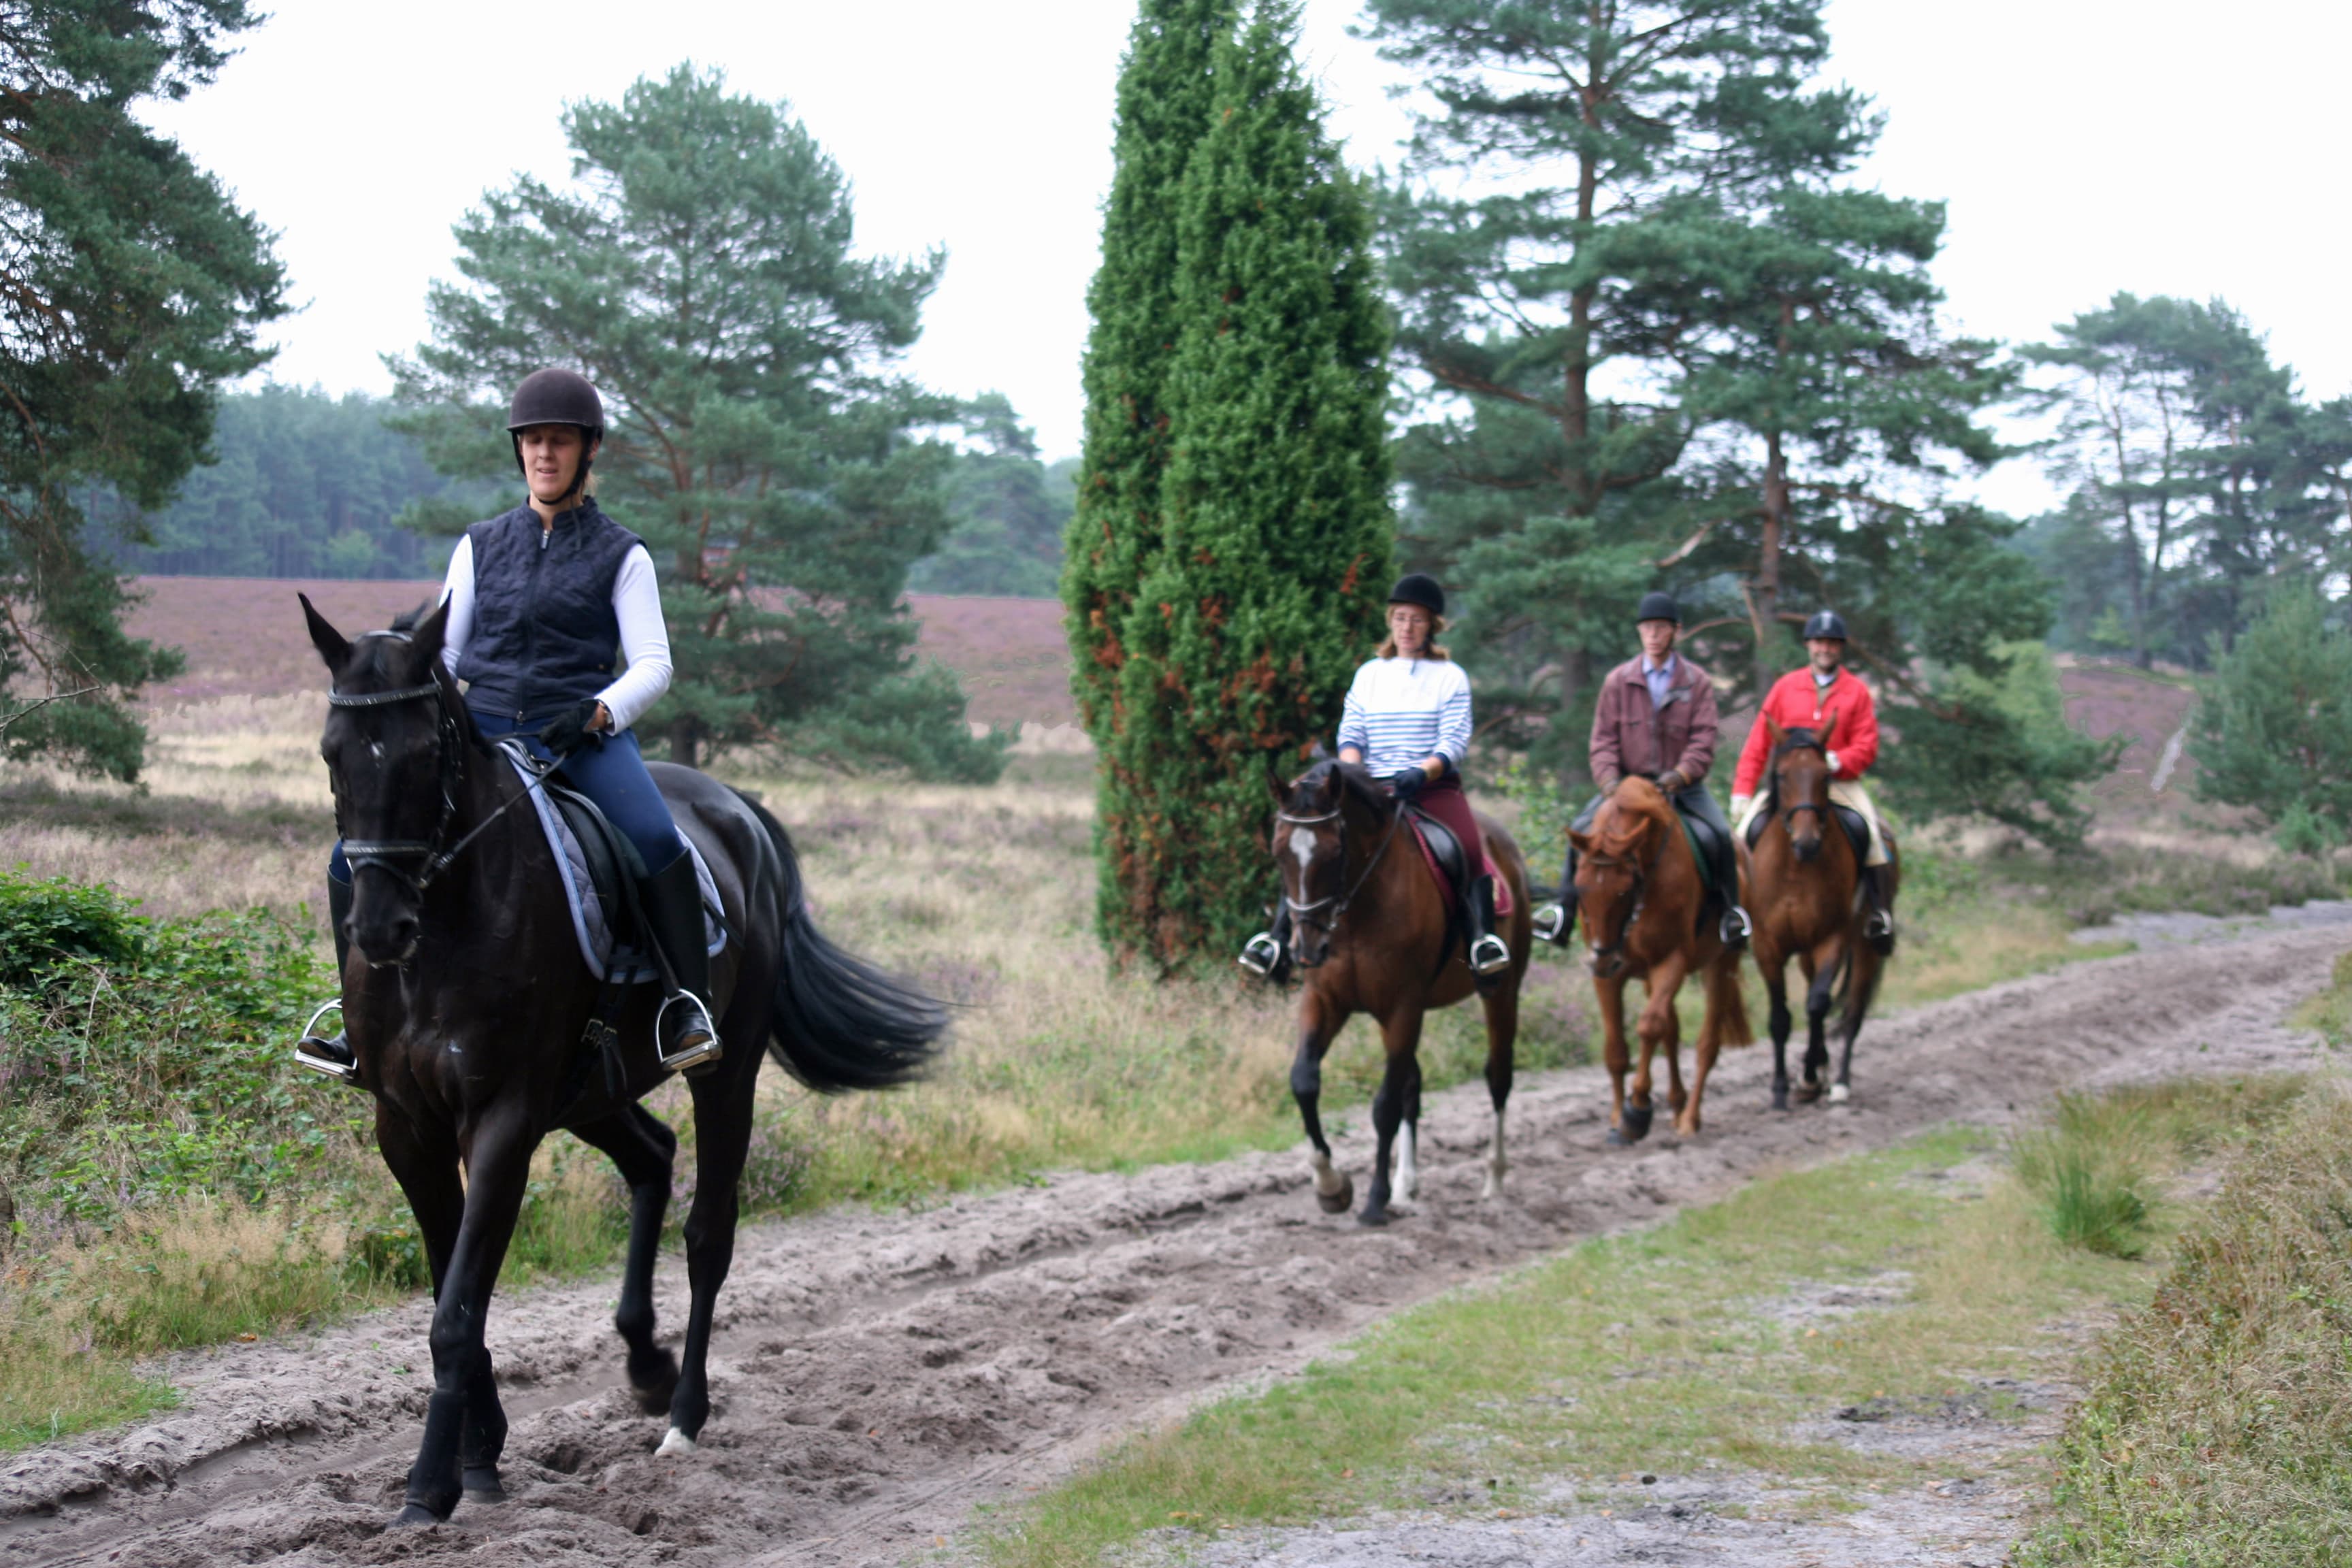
[{"x": 614, "y": 775}]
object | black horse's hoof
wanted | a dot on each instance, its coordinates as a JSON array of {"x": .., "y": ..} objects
[
  {"x": 1808, "y": 1093},
  {"x": 482, "y": 1485},
  {"x": 1780, "y": 1100},
  {"x": 415, "y": 1516},
  {"x": 654, "y": 1389},
  {"x": 1373, "y": 1216},
  {"x": 1617, "y": 1138},
  {"x": 1637, "y": 1122},
  {"x": 1340, "y": 1201}
]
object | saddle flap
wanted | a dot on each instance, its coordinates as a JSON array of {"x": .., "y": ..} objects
[
  {"x": 609, "y": 853},
  {"x": 1442, "y": 851}
]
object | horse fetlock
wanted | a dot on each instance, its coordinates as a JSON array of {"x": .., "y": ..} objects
[
  {"x": 1334, "y": 1192},
  {"x": 1838, "y": 1094},
  {"x": 653, "y": 1378},
  {"x": 675, "y": 1444},
  {"x": 1496, "y": 1169},
  {"x": 482, "y": 1484}
]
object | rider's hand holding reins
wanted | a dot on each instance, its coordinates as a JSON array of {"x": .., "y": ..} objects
[
  {"x": 567, "y": 733},
  {"x": 1408, "y": 781}
]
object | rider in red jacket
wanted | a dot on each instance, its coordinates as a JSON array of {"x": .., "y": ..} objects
[{"x": 1826, "y": 696}]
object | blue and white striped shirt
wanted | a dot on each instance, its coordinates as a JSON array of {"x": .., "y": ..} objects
[{"x": 1402, "y": 712}]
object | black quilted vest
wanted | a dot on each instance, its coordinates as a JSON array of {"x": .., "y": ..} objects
[{"x": 545, "y": 634}]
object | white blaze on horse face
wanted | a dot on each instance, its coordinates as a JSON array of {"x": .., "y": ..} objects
[{"x": 1302, "y": 849}]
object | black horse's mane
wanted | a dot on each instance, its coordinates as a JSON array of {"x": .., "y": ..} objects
[
  {"x": 1797, "y": 740},
  {"x": 1359, "y": 786}
]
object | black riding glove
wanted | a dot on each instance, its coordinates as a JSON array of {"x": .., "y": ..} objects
[
  {"x": 1408, "y": 783},
  {"x": 567, "y": 733}
]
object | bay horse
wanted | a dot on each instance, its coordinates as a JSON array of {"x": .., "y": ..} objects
[
  {"x": 1804, "y": 874},
  {"x": 1638, "y": 889},
  {"x": 1371, "y": 931},
  {"x": 466, "y": 1000}
]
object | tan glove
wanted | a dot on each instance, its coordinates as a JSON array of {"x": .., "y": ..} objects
[{"x": 1739, "y": 804}]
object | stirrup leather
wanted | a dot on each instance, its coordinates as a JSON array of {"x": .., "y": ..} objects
[
  {"x": 312, "y": 1051},
  {"x": 699, "y": 1053},
  {"x": 1550, "y": 923},
  {"x": 1260, "y": 955},
  {"x": 1490, "y": 955}
]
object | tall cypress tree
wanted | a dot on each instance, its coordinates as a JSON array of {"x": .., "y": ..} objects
[
  {"x": 1164, "y": 103},
  {"x": 1256, "y": 580}
]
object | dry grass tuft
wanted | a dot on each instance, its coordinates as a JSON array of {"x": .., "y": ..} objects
[{"x": 2218, "y": 1427}]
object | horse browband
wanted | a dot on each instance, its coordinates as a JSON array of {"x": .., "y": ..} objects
[{"x": 380, "y": 852}]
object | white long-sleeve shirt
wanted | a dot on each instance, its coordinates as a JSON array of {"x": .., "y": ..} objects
[
  {"x": 636, "y": 604},
  {"x": 1402, "y": 712}
]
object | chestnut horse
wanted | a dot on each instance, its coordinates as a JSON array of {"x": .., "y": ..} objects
[
  {"x": 1638, "y": 889},
  {"x": 1370, "y": 931},
  {"x": 1803, "y": 876}
]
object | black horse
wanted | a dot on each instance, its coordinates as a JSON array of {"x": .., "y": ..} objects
[{"x": 466, "y": 1002}]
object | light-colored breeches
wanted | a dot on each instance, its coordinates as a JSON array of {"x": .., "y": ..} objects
[{"x": 1847, "y": 793}]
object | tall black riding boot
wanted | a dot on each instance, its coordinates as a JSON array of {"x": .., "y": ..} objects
[
  {"x": 1267, "y": 954},
  {"x": 686, "y": 1035},
  {"x": 1737, "y": 927},
  {"x": 1556, "y": 922},
  {"x": 1489, "y": 956},
  {"x": 1878, "y": 925},
  {"x": 332, "y": 1054}
]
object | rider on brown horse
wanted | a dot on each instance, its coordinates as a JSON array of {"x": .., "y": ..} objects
[
  {"x": 1827, "y": 698},
  {"x": 1656, "y": 720},
  {"x": 1407, "y": 721}
]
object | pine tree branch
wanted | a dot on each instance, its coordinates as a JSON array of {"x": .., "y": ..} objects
[{"x": 37, "y": 703}]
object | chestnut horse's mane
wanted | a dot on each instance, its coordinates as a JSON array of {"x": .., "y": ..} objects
[{"x": 1648, "y": 803}]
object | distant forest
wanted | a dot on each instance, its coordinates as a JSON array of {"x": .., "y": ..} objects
[{"x": 308, "y": 484}]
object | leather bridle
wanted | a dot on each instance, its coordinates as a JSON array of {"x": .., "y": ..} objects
[
  {"x": 1639, "y": 890},
  {"x": 1304, "y": 914},
  {"x": 390, "y": 855}
]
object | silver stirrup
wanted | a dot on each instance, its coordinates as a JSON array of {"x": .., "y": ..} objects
[
  {"x": 1497, "y": 955},
  {"x": 1260, "y": 955},
  {"x": 1737, "y": 927},
  {"x": 341, "y": 1072},
  {"x": 1550, "y": 923},
  {"x": 709, "y": 1051}
]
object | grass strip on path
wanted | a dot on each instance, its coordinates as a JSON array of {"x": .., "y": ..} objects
[{"x": 1699, "y": 1346}]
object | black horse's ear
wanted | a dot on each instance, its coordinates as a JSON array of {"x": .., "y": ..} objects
[
  {"x": 426, "y": 639},
  {"x": 332, "y": 645}
]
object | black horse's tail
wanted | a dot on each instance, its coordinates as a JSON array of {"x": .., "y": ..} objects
[{"x": 841, "y": 1024}]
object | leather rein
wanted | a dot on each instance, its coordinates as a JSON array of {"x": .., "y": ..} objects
[{"x": 388, "y": 855}]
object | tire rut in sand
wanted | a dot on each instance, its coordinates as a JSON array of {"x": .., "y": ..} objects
[{"x": 876, "y": 1374}]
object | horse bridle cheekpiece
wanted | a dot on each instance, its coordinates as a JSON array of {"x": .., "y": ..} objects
[
  {"x": 1633, "y": 916},
  {"x": 387, "y": 854},
  {"x": 1339, "y": 902}
]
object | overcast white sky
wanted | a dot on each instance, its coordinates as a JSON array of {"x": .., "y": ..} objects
[{"x": 2084, "y": 146}]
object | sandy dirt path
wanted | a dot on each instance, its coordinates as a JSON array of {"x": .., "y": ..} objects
[{"x": 877, "y": 1375}]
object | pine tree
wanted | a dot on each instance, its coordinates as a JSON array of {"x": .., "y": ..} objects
[
  {"x": 131, "y": 287},
  {"x": 1546, "y": 478},
  {"x": 700, "y": 271},
  {"x": 1257, "y": 581}
]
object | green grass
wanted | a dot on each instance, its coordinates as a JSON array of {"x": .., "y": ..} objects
[
  {"x": 1673, "y": 1349},
  {"x": 2216, "y": 1430},
  {"x": 2330, "y": 1012}
]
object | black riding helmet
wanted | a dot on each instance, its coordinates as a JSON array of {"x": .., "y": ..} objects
[
  {"x": 1657, "y": 607},
  {"x": 1419, "y": 588},
  {"x": 556, "y": 397},
  {"x": 1825, "y": 624}
]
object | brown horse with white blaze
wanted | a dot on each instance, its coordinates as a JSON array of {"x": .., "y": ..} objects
[
  {"x": 1803, "y": 873},
  {"x": 1373, "y": 933},
  {"x": 1638, "y": 889}
]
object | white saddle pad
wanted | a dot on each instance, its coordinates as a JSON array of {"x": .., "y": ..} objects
[{"x": 634, "y": 967}]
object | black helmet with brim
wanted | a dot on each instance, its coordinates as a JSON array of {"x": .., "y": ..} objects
[
  {"x": 556, "y": 397},
  {"x": 1825, "y": 624},
  {"x": 1419, "y": 588},
  {"x": 1656, "y": 606}
]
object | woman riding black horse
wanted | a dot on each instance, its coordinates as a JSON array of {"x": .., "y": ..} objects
[{"x": 540, "y": 601}]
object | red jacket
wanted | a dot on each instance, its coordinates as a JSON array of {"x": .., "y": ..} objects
[{"x": 1792, "y": 704}]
